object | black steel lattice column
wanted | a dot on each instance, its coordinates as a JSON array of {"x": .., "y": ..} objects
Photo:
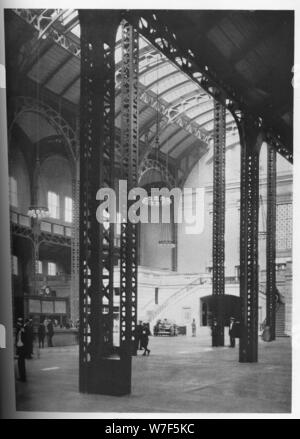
[
  {"x": 129, "y": 165},
  {"x": 101, "y": 369},
  {"x": 251, "y": 140},
  {"x": 218, "y": 222},
  {"x": 75, "y": 246},
  {"x": 271, "y": 243}
]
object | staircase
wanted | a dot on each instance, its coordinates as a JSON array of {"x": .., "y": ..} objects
[
  {"x": 280, "y": 321},
  {"x": 178, "y": 295}
]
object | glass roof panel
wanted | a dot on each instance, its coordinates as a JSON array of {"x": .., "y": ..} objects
[
  {"x": 168, "y": 82},
  {"x": 76, "y": 30},
  {"x": 68, "y": 16},
  {"x": 198, "y": 108},
  {"x": 203, "y": 118},
  {"x": 209, "y": 125},
  {"x": 179, "y": 91},
  {"x": 153, "y": 75}
]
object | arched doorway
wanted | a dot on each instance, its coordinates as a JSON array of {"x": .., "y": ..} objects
[{"x": 230, "y": 307}]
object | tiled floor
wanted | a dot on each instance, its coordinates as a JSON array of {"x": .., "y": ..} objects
[{"x": 181, "y": 375}]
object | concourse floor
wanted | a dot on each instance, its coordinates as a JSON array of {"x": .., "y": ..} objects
[{"x": 182, "y": 375}]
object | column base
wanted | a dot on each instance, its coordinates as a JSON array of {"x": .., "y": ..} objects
[{"x": 110, "y": 376}]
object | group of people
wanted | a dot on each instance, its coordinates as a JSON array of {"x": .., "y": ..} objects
[
  {"x": 142, "y": 337},
  {"x": 46, "y": 328},
  {"x": 25, "y": 339},
  {"x": 233, "y": 331}
]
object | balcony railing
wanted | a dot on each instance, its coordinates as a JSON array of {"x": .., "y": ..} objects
[{"x": 45, "y": 226}]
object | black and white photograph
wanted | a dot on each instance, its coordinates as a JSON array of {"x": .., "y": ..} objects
[{"x": 147, "y": 211}]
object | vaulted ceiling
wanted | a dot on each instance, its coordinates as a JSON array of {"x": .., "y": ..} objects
[{"x": 251, "y": 52}]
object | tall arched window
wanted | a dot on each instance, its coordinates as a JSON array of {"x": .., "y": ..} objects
[
  {"x": 13, "y": 192},
  {"x": 53, "y": 204}
]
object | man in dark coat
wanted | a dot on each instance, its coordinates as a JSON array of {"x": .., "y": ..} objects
[
  {"x": 50, "y": 333},
  {"x": 29, "y": 337},
  {"x": 145, "y": 338},
  {"x": 41, "y": 334},
  {"x": 20, "y": 349},
  {"x": 138, "y": 336}
]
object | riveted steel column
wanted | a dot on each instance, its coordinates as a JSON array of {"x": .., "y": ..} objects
[
  {"x": 101, "y": 369},
  {"x": 271, "y": 242},
  {"x": 218, "y": 249},
  {"x": 251, "y": 141},
  {"x": 129, "y": 165},
  {"x": 74, "y": 308}
]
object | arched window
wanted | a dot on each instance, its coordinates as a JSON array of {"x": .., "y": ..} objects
[
  {"x": 53, "y": 205},
  {"x": 68, "y": 209},
  {"x": 13, "y": 192}
]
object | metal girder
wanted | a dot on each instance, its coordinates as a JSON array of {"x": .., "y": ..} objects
[
  {"x": 165, "y": 40},
  {"x": 129, "y": 172},
  {"x": 43, "y": 24},
  {"x": 251, "y": 140},
  {"x": 103, "y": 367},
  {"x": 271, "y": 242},
  {"x": 54, "y": 239},
  {"x": 145, "y": 96},
  {"x": 51, "y": 238},
  {"x": 276, "y": 142},
  {"x": 218, "y": 245},
  {"x": 182, "y": 121},
  {"x": 24, "y": 232}
]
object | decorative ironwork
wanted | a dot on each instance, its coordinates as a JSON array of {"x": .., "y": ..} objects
[
  {"x": 129, "y": 151},
  {"x": 156, "y": 165},
  {"x": 251, "y": 140},
  {"x": 165, "y": 40},
  {"x": 22, "y": 104},
  {"x": 271, "y": 243},
  {"x": 218, "y": 248},
  {"x": 43, "y": 22},
  {"x": 276, "y": 142},
  {"x": 173, "y": 115},
  {"x": 19, "y": 228}
]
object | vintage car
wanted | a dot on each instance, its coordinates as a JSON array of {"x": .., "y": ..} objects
[{"x": 165, "y": 327}]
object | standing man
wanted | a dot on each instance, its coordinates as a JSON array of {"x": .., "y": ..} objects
[
  {"x": 193, "y": 328},
  {"x": 29, "y": 337},
  {"x": 41, "y": 334},
  {"x": 138, "y": 335},
  {"x": 50, "y": 333},
  {"x": 20, "y": 349},
  {"x": 232, "y": 332}
]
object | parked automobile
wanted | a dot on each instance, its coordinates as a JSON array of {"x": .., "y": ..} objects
[{"x": 165, "y": 327}]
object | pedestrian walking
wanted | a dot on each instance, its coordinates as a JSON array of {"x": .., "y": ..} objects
[
  {"x": 145, "y": 339},
  {"x": 138, "y": 335},
  {"x": 20, "y": 349}
]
